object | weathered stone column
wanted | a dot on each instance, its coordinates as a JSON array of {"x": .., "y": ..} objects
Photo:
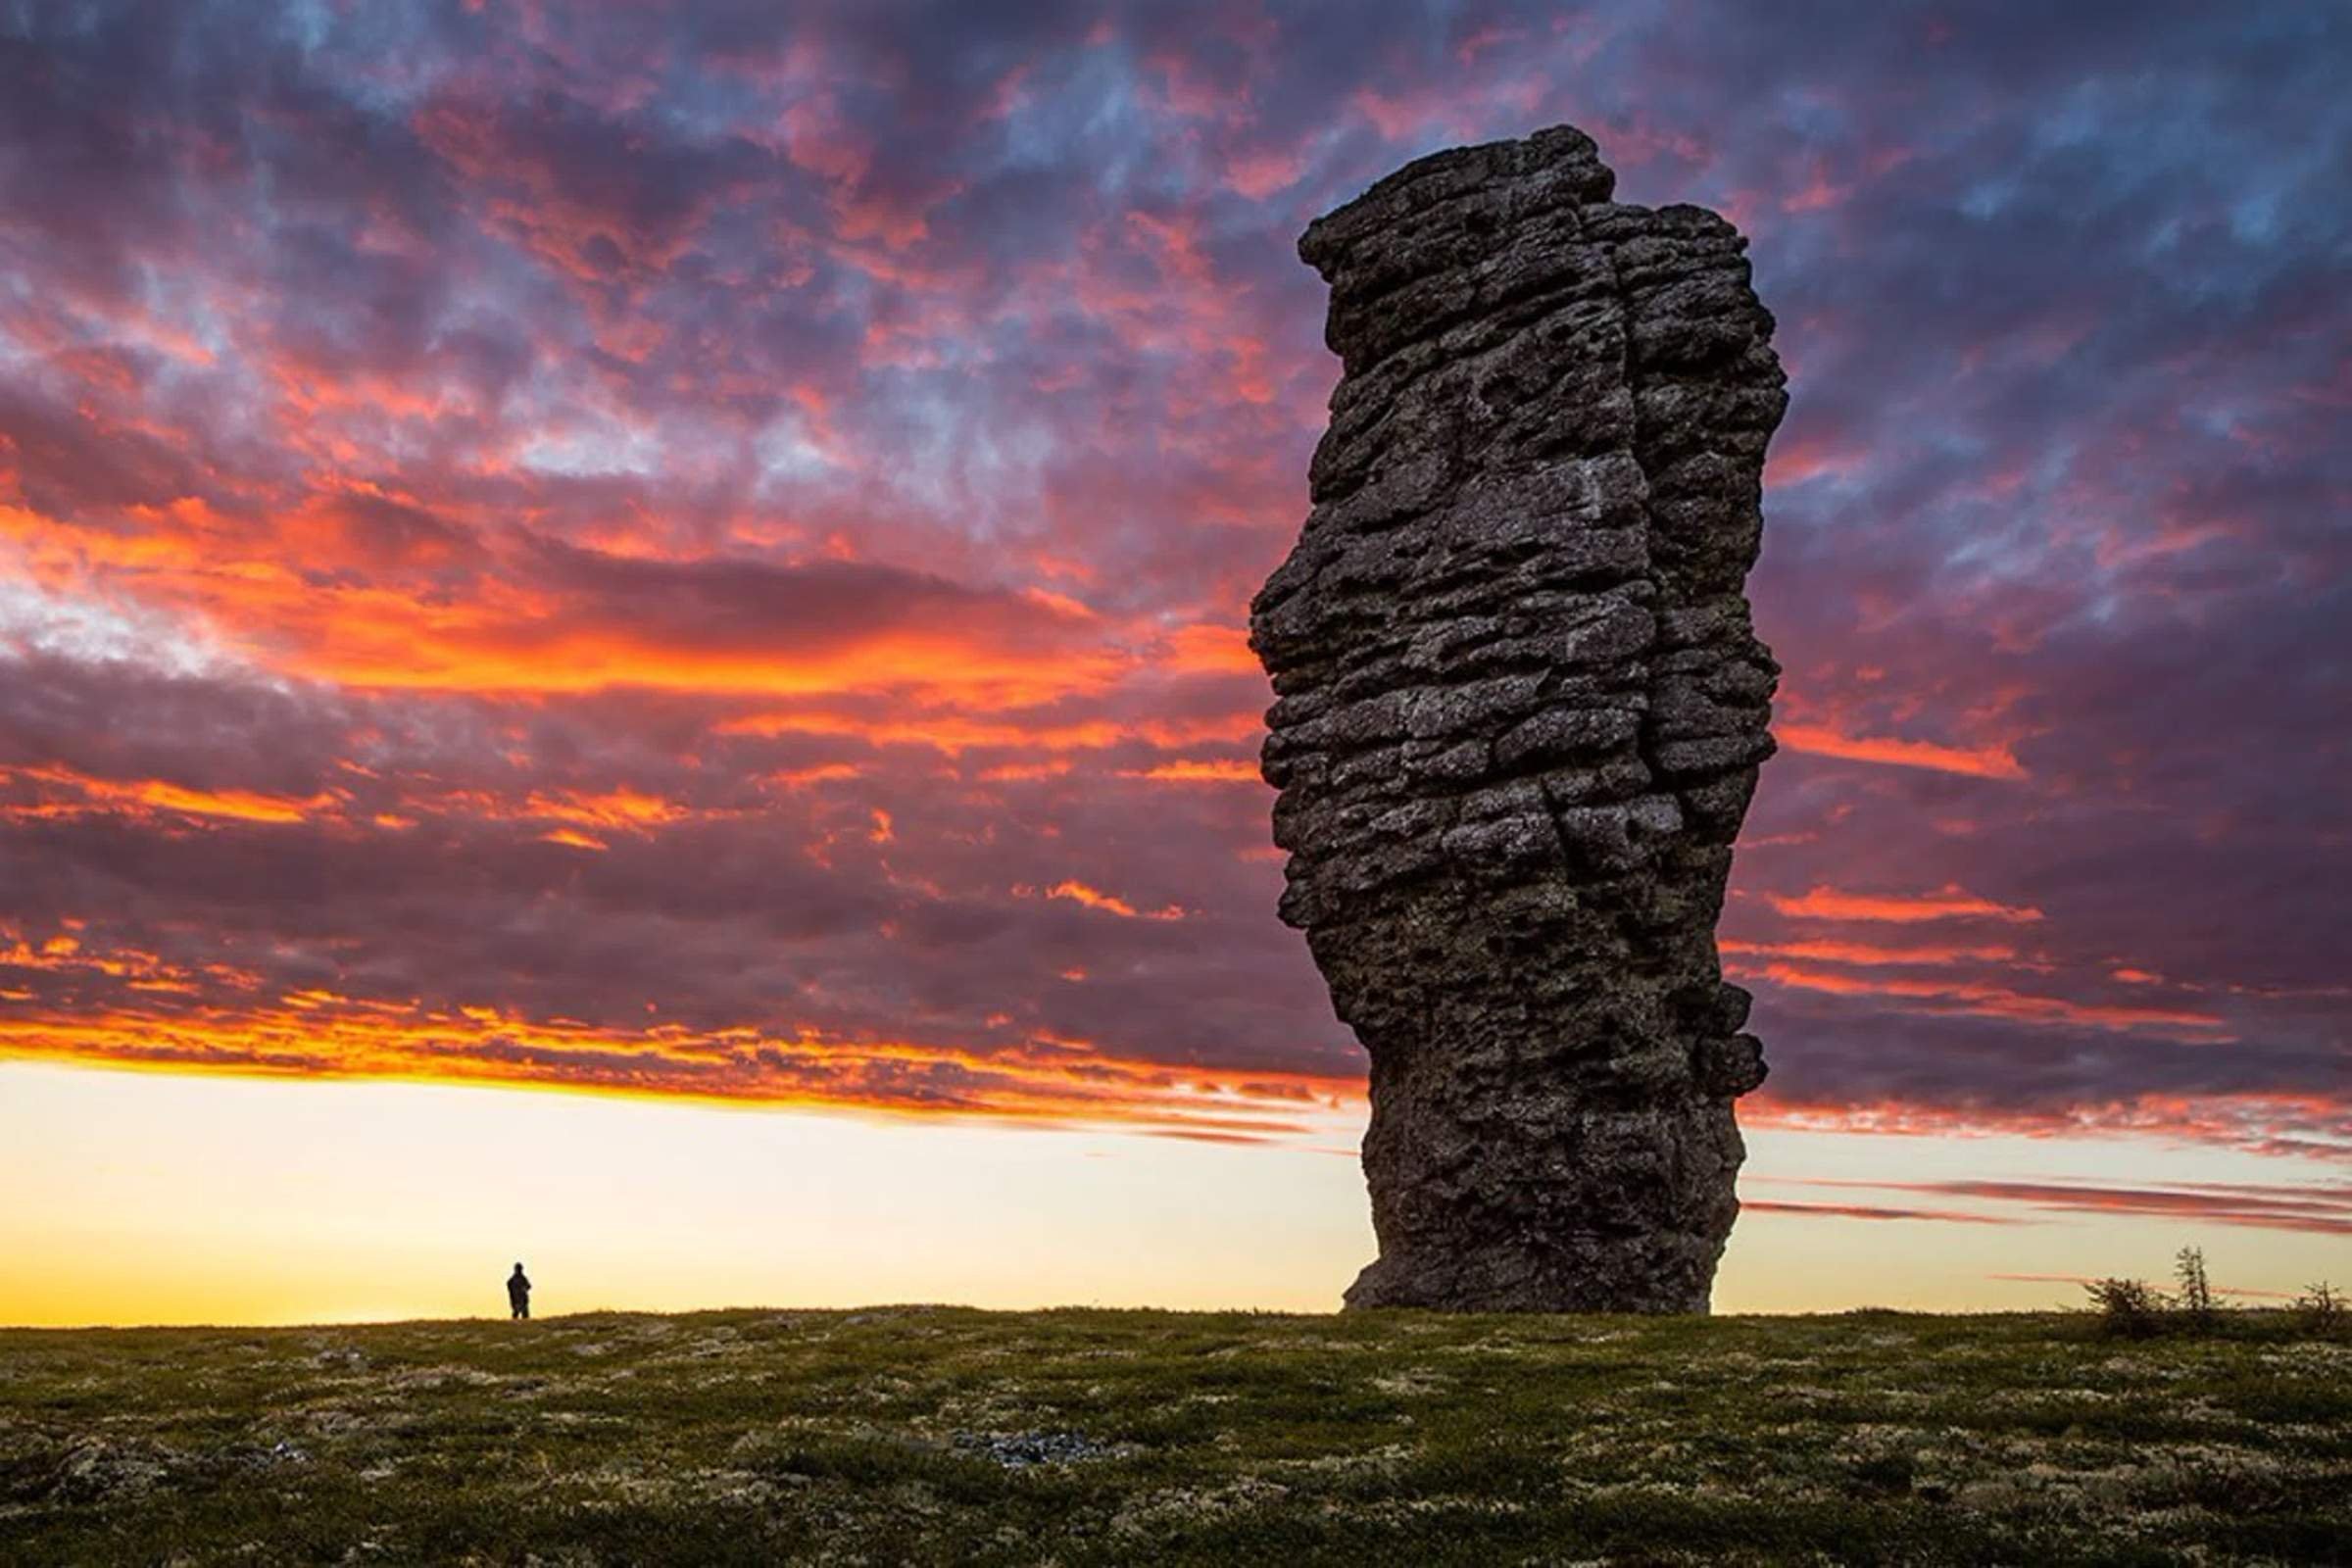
[{"x": 1520, "y": 711}]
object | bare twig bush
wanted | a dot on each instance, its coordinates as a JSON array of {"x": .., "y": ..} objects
[
  {"x": 2195, "y": 1299},
  {"x": 2131, "y": 1309},
  {"x": 2324, "y": 1309}
]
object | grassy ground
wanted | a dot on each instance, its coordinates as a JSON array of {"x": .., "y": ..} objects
[{"x": 925, "y": 1434}]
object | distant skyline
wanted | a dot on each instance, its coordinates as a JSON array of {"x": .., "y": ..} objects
[{"x": 699, "y": 552}]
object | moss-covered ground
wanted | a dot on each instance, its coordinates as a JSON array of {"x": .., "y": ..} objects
[{"x": 931, "y": 1434}]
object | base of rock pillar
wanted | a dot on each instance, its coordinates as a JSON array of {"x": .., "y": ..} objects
[{"x": 1578, "y": 1275}]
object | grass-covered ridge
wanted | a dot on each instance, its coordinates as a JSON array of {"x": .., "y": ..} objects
[{"x": 944, "y": 1435}]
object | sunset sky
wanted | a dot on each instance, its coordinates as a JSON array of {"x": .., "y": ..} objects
[{"x": 698, "y": 552}]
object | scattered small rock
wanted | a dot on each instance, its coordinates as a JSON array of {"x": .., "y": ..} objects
[
  {"x": 94, "y": 1470},
  {"x": 1018, "y": 1450}
]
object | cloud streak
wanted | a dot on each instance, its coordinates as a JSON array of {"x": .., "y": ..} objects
[{"x": 2316, "y": 1209}]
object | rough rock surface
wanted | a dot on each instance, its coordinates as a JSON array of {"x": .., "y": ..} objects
[{"x": 1520, "y": 708}]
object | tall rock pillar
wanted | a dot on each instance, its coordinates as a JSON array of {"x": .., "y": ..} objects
[{"x": 1520, "y": 709}]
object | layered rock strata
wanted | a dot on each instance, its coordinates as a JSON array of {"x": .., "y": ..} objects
[{"x": 1520, "y": 709}]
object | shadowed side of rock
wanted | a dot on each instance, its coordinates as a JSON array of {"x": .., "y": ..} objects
[{"x": 1520, "y": 709}]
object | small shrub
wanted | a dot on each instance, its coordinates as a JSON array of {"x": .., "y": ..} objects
[
  {"x": 2324, "y": 1309},
  {"x": 2131, "y": 1309},
  {"x": 1889, "y": 1472},
  {"x": 2195, "y": 1300}
]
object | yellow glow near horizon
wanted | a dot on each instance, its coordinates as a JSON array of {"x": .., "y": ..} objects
[
  {"x": 144, "y": 1198},
  {"x": 150, "y": 1198}
]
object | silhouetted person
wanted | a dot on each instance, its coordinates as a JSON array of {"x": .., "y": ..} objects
[{"x": 519, "y": 1291}]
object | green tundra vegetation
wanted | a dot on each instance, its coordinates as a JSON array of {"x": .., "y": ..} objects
[{"x": 936, "y": 1434}]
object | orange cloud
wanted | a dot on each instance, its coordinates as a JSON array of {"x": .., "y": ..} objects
[
  {"x": 955, "y": 732},
  {"x": 618, "y": 808},
  {"x": 1206, "y": 648},
  {"x": 348, "y": 597},
  {"x": 68, "y": 958},
  {"x": 1996, "y": 1001},
  {"x": 1980, "y": 762},
  {"x": 244, "y": 804},
  {"x": 1206, "y": 770},
  {"x": 98, "y": 795},
  {"x": 464, "y": 654},
  {"x": 1095, "y": 899},
  {"x": 1044, "y": 1080},
  {"x": 1951, "y": 902},
  {"x": 1863, "y": 953}
]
